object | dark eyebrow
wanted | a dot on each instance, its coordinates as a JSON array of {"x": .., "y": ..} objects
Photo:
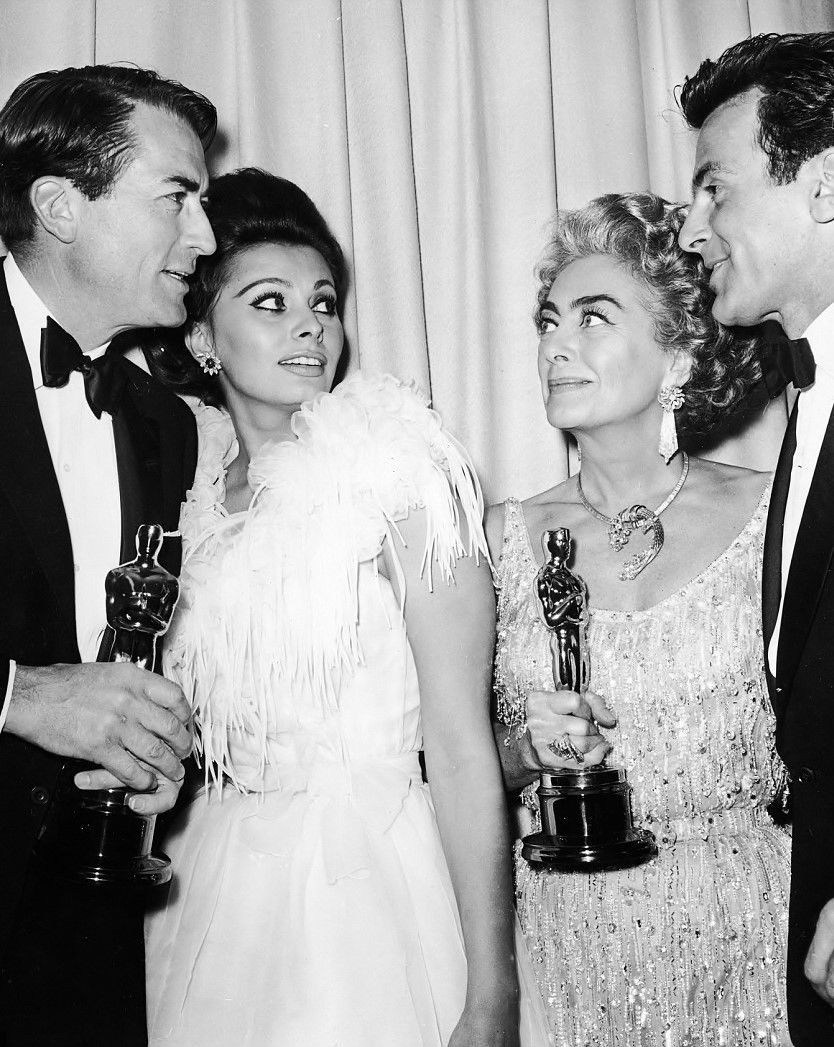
[
  {"x": 704, "y": 171},
  {"x": 586, "y": 299},
  {"x": 186, "y": 183},
  {"x": 591, "y": 299},
  {"x": 284, "y": 283}
]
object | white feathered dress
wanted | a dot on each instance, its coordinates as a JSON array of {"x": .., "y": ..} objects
[{"x": 312, "y": 905}]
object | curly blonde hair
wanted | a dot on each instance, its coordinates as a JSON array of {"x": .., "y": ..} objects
[{"x": 640, "y": 231}]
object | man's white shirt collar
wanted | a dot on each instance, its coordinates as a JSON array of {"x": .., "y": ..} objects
[
  {"x": 820, "y": 335},
  {"x": 31, "y": 316}
]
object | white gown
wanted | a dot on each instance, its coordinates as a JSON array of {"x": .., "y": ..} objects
[{"x": 312, "y": 904}]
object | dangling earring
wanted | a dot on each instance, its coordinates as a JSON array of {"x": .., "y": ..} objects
[
  {"x": 210, "y": 364},
  {"x": 670, "y": 398}
]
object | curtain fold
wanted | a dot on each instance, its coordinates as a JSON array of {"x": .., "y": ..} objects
[{"x": 437, "y": 137}]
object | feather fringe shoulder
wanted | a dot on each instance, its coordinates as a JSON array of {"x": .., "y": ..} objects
[{"x": 271, "y": 598}]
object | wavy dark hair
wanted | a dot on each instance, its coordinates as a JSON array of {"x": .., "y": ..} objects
[
  {"x": 795, "y": 73},
  {"x": 246, "y": 207},
  {"x": 640, "y": 231},
  {"x": 76, "y": 123}
]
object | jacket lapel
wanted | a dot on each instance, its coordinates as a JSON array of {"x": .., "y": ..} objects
[
  {"x": 772, "y": 565},
  {"x": 138, "y": 463},
  {"x": 155, "y": 452},
  {"x": 26, "y": 472},
  {"x": 810, "y": 563}
]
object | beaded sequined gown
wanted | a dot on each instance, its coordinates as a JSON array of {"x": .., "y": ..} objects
[{"x": 688, "y": 949}]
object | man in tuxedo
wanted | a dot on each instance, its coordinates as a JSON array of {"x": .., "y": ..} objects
[
  {"x": 762, "y": 219},
  {"x": 101, "y": 175}
]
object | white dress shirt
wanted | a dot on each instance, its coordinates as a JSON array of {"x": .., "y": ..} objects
[
  {"x": 813, "y": 409},
  {"x": 83, "y": 453}
]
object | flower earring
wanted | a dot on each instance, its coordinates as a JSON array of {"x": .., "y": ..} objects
[
  {"x": 210, "y": 364},
  {"x": 670, "y": 398}
]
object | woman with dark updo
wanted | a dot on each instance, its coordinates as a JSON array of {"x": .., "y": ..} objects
[
  {"x": 688, "y": 949},
  {"x": 336, "y": 619}
]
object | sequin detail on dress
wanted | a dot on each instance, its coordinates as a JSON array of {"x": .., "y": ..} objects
[{"x": 688, "y": 950}]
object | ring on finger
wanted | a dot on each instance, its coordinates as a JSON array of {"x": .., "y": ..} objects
[{"x": 563, "y": 747}]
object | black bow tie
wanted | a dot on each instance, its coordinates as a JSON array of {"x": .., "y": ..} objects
[
  {"x": 61, "y": 355},
  {"x": 786, "y": 360}
]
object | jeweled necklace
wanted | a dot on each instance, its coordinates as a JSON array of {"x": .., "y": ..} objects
[{"x": 621, "y": 526}]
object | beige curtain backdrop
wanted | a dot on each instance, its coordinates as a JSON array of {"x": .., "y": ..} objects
[{"x": 437, "y": 136}]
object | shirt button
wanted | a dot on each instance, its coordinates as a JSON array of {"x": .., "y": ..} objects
[
  {"x": 67, "y": 467},
  {"x": 805, "y": 776},
  {"x": 77, "y": 567},
  {"x": 40, "y": 796}
]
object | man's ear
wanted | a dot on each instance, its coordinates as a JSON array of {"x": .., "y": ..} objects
[
  {"x": 822, "y": 196},
  {"x": 56, "y": 203}
]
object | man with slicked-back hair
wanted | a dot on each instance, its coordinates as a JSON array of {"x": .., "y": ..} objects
[
  {"x": 762, "y": 219},
  {"x": 102, "y": 171}
]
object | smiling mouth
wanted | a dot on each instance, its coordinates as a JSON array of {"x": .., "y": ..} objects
[
  {"x": 566, "y": 385},
  {"x": 304, "y": 364},
  {"x": 179, "y": 275}
]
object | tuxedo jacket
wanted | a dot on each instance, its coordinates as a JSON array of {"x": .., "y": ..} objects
[
  {"x": 156, "y": 445},
  {"x": 802, "y": 694}
]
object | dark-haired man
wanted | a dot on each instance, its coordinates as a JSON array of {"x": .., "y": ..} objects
[
  {"x": 762, "y": 218},
  {"x": 101, "y": 175}
]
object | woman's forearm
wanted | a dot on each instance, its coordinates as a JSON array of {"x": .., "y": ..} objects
[
  {"x": 516, "y": 758},
  {"x": 468, "y": 796},
  {"x": 451, "y": 631}
]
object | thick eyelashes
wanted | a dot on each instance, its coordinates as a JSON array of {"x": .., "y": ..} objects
[
  {"x": 544, "y": 324},
  {"x": 270, "y": 296},
  {"x": 326, "y": 304},
  {"x": 329, "y": 304},
  {"x": 547, "y": 324},
  {"x": 596, "y": 314}
]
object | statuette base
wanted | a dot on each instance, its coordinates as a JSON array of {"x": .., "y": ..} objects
[
  {"x": 93, "y": 837},
  {"x": 565, "y": 856},
  {"x": 587, "y": 823}
]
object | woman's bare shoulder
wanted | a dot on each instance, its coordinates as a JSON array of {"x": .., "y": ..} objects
[
  {"x": 734, "y": 473},
  {"x": 719, "y": 480},
  {"x": 559, "y": 494},
  {"x": 558, "y": 506},
  {"x": 536, "y": 509}
]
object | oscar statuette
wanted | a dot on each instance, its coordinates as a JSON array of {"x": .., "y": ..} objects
[
  {"x": 586, "y": 819},
  {"x": 93, "y": 836}
]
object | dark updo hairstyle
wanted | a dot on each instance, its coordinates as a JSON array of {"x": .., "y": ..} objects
[
  {"x": 640, "y": 231},
  {"x": 246, "y": 208}
]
